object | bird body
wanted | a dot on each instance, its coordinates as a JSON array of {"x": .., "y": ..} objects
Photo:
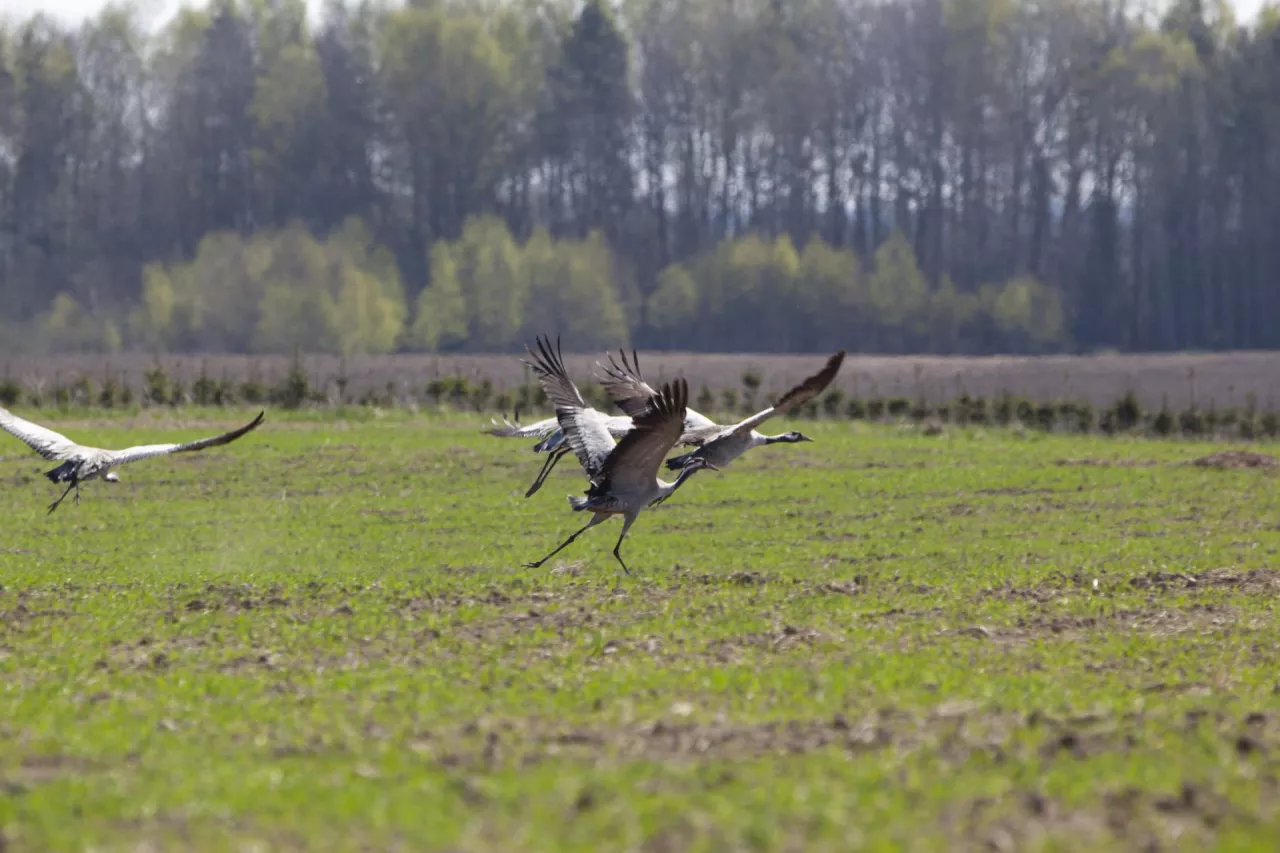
[
  {"x": 81, "y": 463},
  {"x": 722, "y": 451},
  {"x": 623, "y": 475}
]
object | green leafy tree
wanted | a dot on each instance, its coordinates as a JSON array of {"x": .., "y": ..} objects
[
  {"x": 672, "y": 309},
  {"x": 898, "y": 292},
  {"x": 440, "y": 320}
]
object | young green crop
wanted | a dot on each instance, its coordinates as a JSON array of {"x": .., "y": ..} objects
[{"x": 320, "y": 638}]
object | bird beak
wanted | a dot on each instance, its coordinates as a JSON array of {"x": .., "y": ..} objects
[{"x": 805, "y": 438}]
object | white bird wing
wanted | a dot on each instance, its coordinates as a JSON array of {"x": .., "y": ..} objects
[
  {"x": 539, "y": 429},
  {"x": 633, "y": 464},
  {"x": 586, "y": 429},
  {"x": 797, "y": 396},
  {"x": 49, "y": 444},
  {"x": 146, "y": 451}
]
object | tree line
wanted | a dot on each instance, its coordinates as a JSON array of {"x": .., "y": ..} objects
[{"x": 885, "y": 175}]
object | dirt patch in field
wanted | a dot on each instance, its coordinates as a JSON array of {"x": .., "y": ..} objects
[
  {"x": 957, "y": 731},
  {"x": 1226, "y": 459},
  {"x": 1139, "y": 819},
  {"x": 781, "y": 638},
  {"x": 1250, "y": 581},
  {"x": 1093, "y": 462},
  {"x": 1058, "y": 585}
]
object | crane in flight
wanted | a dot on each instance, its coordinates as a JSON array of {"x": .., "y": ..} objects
[
  {"x": 624, "y": 476},
  {"x": 718, "y": 444},
  {"x": 81, "y": 463}
]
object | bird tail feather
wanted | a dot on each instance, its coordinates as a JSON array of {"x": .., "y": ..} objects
[
  {"x": 61, "y": 474},
  {"x": 578, "y": 503}
]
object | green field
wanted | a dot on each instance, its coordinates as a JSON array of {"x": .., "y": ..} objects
[{"x": 320, "y": 638}]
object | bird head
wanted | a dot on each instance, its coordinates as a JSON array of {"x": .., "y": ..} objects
[
  {"x": 111, "y": 477},
  {"x": 696, "y": 463},
  {"x": 797, "y": 437}
]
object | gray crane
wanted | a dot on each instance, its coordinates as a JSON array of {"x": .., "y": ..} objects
[
  {"x": 551, "y": 436},
  {"x": 718, "y": 444},
  {"x": 624, "y": 476},
  {"x": 80, "y": 463}
]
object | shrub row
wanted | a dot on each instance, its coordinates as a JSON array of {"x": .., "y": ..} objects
[{"x": 297, "y": 389}]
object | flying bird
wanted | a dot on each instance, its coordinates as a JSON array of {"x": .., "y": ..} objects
[
  {"x": 720, "y": 445},
  {"x": 717, "y": 443},
  {"x": 631, "y": 395},
  {"x": 624, "y": 476},
  {"x": 80, "y": 463}
]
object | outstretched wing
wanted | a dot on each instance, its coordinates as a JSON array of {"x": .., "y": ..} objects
[
  {"x": 506, "y": 429},
  {"x": 585, "y": 429},
  {"x": 548, "y": 366},
  {"x": 625, "y": 384},
  {"x": 49, "y": 444},
  {"x": 627, "y": 388},
  {"x": 146, "y": 451},
  {"x": 797, "y": 396},
  {"x": 634, "y": 462}
]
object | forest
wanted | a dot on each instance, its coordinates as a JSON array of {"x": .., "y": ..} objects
[{"x": 893, "y": 176}]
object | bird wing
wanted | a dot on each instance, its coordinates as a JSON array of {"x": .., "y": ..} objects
[
  {"x": 506, "y": 429},
  {"x": 587, "y": 432},
  {"x": 797, "y": 396},
  {"x": 49, "y": 444},
  {"x": 548, "y": 366},
  {"x": 625, "y": 384},
  {"x": 627, "y": 388},
  {"x": 697, "y": 421},
  {"x": 585, "y": 429},
  {"x": 146, "y": 451},
  {"x": 634, "y": 462}
]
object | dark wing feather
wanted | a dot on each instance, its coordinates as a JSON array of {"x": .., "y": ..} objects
[
  {"x": 548, "y": 366},
  {"x": 797, "y": 396},
  {"x": 146, "y": 451},
  {"x": 635, "y": 461},
  {"x": 626, "y": 385}
]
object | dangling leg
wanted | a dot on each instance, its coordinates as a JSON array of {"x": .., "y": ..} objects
[
  {"x": 75, "y": 486},
  {"x": 596, "y": 519},
  {"x": 626, "y": 525},
  {"x": 546, "y": 468},
  {"x": 76, "y": 499}
]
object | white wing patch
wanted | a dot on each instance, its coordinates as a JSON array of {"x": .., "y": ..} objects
[{"x": 49, "y": 444}]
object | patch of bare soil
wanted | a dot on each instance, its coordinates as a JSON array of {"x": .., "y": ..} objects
[
  {"x": 1225, "y": 459},
  {"x": 1138, "y": 819},
  {"x": 1059, "y": 584},
  {"x": 780, "y": 639},
  {"x": 1095, "y": 462},
  {"x": 1252, "y": 581},
  {"x": 955, "y": 731}
]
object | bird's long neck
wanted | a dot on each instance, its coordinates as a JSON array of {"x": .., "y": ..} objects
[
  {"x": 666, "y": 490},
  {"x": 785, "y": 438}
]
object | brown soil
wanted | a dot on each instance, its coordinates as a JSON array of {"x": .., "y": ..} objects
[
  {"x": 1236, "y": 459},
  {"x": 1223, "y": 379}
]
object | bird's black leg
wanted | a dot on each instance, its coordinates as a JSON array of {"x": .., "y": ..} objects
[
  {"x": 626, "y": 525},
  {"x": 75, "y": 486},
  {"x": 546, "y": 468},
  {"x": 592, "y": 523}
]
